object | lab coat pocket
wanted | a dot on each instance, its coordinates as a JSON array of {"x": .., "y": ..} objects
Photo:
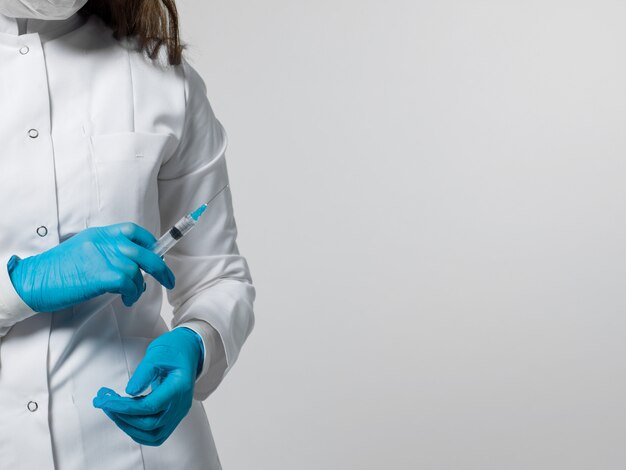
[{"x": 124, "y": 170}]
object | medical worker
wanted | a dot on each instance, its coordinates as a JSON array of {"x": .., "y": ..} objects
[{"x": 107, "y": 140}]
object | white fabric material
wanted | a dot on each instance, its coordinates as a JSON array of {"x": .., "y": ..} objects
[
  {"x": 214, "y": 359},
  {"x": 41, "y": 9},
  {"x": 12, "y": 308},
  {"x": 119, "y": 138}
]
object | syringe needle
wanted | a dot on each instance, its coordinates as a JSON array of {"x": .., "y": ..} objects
[{"x": 216, "y": 194}]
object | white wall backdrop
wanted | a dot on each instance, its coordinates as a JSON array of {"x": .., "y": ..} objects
[{"x": 431, "y": 196}]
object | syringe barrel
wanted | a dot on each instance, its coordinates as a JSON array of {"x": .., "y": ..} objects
[
  {"x": 183, "y": 226},
  {"x": 171, "y": 237}
]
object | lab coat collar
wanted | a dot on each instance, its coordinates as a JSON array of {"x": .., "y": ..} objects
[{"x": 47, "y": 29}]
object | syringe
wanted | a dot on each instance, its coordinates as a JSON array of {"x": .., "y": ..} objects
[{"x": 180, "y": 229}]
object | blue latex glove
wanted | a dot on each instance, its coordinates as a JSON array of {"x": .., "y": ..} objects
[
  {"x": 92, "y": 262},
  {"x": 170, "y": 366}
]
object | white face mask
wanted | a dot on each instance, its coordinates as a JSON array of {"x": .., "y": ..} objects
[{"x": 41, "y": 9}]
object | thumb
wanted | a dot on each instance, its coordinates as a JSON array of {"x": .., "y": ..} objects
[{"x": 142, "y": 377}]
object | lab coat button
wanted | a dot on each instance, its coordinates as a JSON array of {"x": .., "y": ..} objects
[
  {"x": 42, "y": 231},
  {"x": 24, "y": 50},
  {"x": 32, "y": 405},
  {"x": 33, "y": 133}
]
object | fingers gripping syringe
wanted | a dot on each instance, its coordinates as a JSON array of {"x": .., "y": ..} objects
[{"x": 180, "y": 228}]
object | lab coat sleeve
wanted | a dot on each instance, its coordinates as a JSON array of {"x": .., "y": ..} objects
[
  {"x": 213, "y": 281},
  {"x": 214, "y": 359},
  {"x": 12, "y": 308}
]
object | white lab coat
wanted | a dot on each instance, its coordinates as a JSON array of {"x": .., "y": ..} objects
[{"x": 94, "y": 133}]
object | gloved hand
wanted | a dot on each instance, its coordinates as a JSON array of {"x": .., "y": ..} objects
[
  {"x": 92, "y": 262},
  {"x": 170, "y": 367}
]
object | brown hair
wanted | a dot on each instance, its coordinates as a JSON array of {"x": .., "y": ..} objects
[{"x": 147, "y": 20}]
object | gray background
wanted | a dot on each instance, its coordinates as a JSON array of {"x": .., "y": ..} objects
[{"x": 431, "y": 198}]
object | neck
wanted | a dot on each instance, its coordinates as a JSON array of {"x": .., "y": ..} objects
[{"x": 21, "y": 25}]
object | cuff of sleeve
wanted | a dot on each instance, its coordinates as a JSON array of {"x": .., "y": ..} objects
[
  {"x": 12, "y": 307},
  {"x": 200, "y": 342},
  {"x": 214, "y": 361}
]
